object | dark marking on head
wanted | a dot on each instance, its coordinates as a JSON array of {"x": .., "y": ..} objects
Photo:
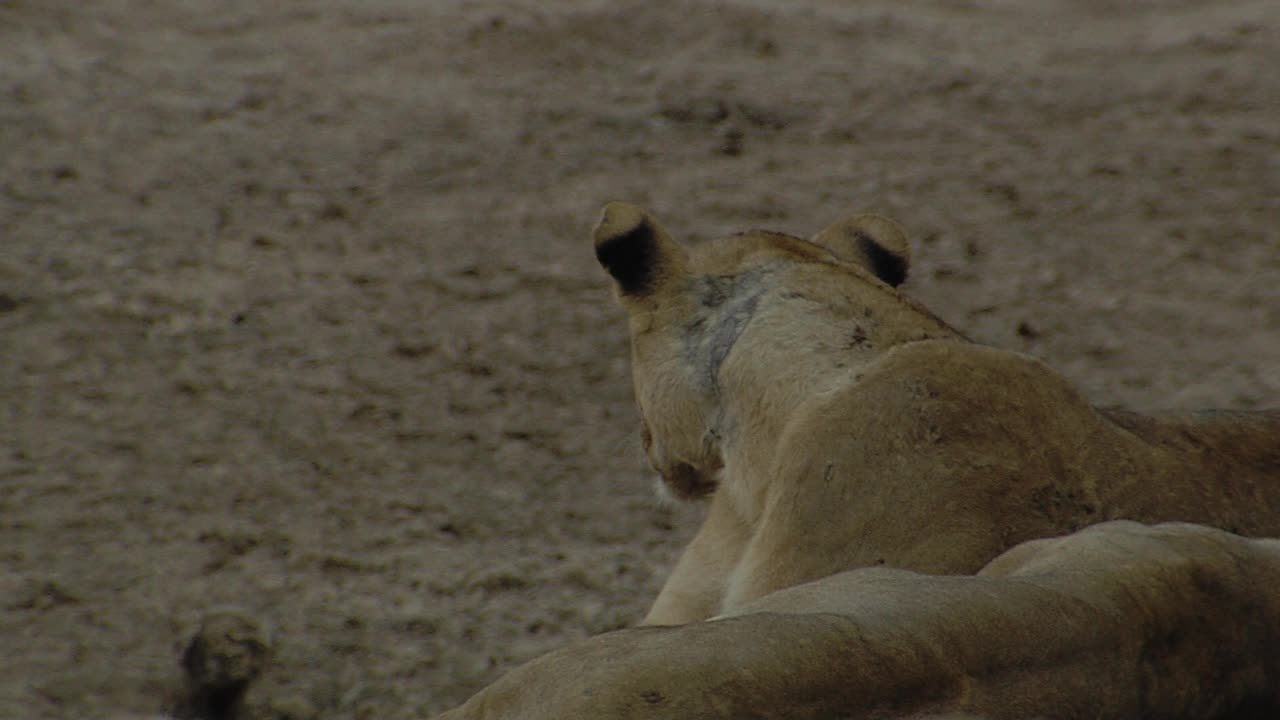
[
  {"x": 858, "y": 337},
  {"x": 884, "y": 263},
  {"x": 724, "y": 335},
  {"x": 728, "y": 303},
  {"x": 631, "y": 258},
  {"x": 713, "y": 291}
]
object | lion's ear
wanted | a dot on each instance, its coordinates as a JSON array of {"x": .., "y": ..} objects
[
  {"x": 873, "y": 241},
  {"x": 639, "y": 255}
]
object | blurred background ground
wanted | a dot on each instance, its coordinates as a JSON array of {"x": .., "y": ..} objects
[{"x": 298, "y": 311}]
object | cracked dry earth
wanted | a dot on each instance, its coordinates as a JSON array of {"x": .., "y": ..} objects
[{"x": 298, "y": 313}]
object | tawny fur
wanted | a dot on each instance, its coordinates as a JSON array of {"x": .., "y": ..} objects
[
  {"x": 1116, "y": 622},
  {"x": 834, "y": 426},
  {"x": 832, "y": 423}
]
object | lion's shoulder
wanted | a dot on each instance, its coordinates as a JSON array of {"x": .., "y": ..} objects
[{"x": 956, "y": 380}]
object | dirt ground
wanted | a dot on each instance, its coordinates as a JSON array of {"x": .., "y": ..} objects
[{"x": 298, "y": 310}]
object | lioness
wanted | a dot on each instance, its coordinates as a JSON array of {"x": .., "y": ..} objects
[
  {"x": 833, "y": 423},
  {"x": 1117, "y": 621}
]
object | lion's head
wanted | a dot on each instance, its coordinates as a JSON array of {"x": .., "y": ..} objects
[{"x": 729, "y": 335}]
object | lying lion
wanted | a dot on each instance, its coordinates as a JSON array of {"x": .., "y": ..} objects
[
  {"x": 1118, "y": 621},
  {"x": 833, "y": 423}
]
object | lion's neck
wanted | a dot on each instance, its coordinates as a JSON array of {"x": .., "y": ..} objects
[
  {"x": 756, "y": 412},
  {"x": 777, "y": 366}
]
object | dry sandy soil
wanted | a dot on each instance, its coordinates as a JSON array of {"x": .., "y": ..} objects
[{"x": 298, "y": 311}]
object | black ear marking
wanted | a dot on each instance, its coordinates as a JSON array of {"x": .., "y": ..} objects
[
  {"x": 636, "y": 251},
  {"x": 631, "y": 257},
  {"x": 883, "y": 262},
  {"x": 873, "y": 241}
]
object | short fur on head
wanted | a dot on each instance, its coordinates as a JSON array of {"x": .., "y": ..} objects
[
  {"x": 830, "y": 422},
  {"x": 703, "y": 299}
]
